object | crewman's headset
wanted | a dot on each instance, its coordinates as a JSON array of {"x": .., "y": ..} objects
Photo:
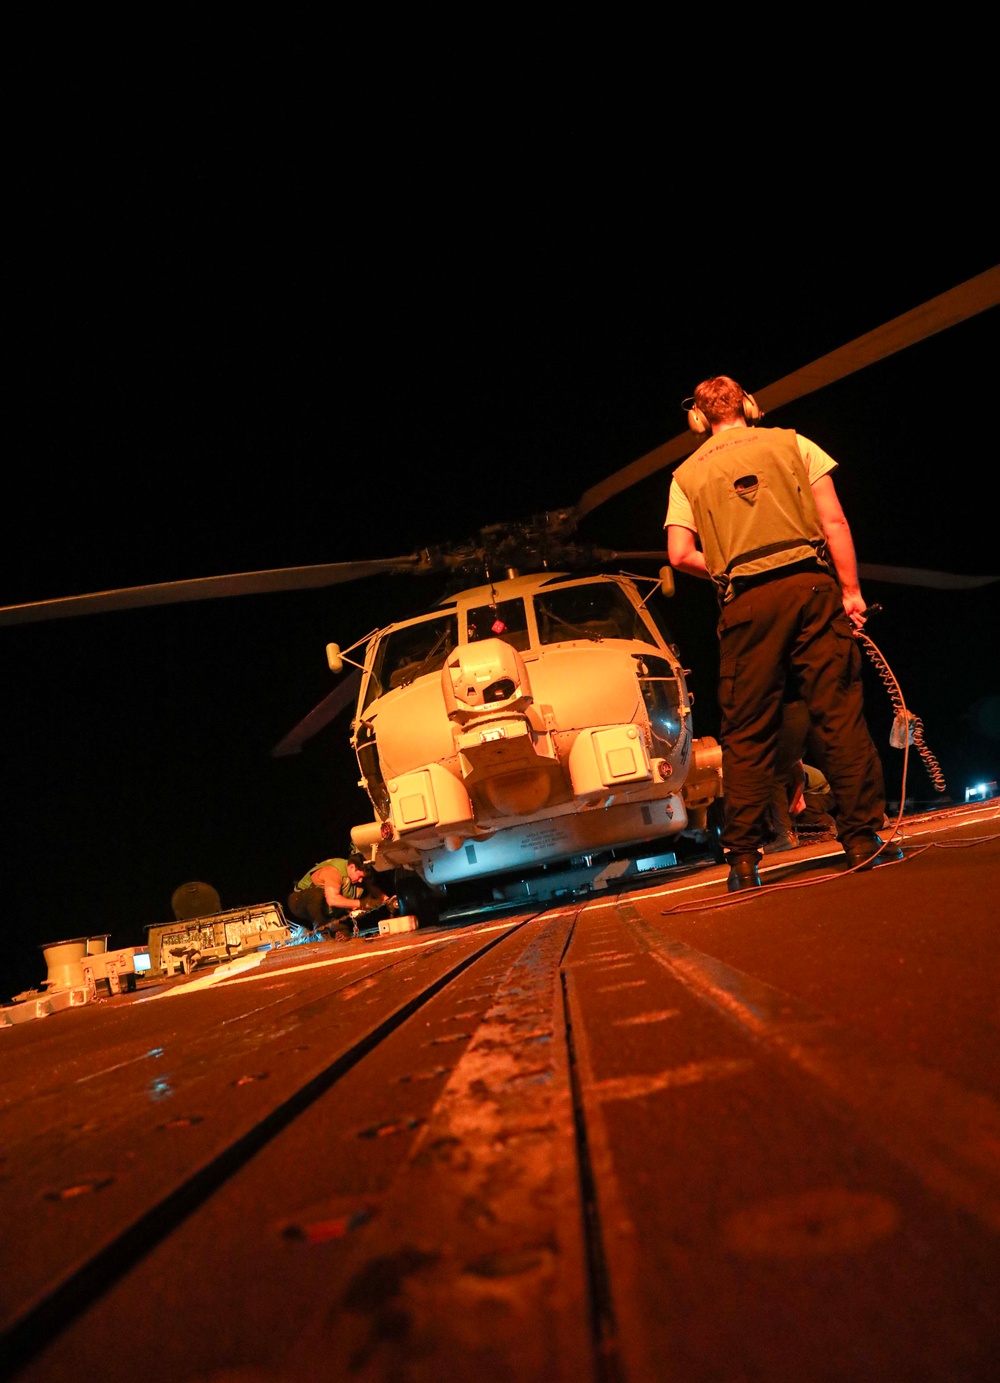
[{"x": 697, "y": 421}]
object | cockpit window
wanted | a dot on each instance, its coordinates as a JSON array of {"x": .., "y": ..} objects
[
  {"x": 662, "y": 693},
  {"x": 600, "y": 610},
  {"x": 507, "y": 620},
  {"x": 410, "y": 652}
]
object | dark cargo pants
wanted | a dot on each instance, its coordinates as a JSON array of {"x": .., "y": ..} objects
[{"x": 793, "y": 628}]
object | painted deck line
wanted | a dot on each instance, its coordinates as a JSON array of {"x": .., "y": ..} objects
[
  {"x": 232, "y": 975},
  {"x": 949, "y": 1137},
  {"x": 694, "y": 1073}
]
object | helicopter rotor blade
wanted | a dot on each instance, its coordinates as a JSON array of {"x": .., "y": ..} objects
[
  {"x": 208, "y": 588},
  {"x": 901, "y": 576},
  {"x": 647, "y": 555},
  {"x": 319, "y": 717},
  {"x": 956, "y": 305},
  {"x": 946, "y": 310},
  {"x": 916, "y": 576}
]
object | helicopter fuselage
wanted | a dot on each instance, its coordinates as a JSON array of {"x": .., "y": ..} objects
[{"x": 525, "y": 722}]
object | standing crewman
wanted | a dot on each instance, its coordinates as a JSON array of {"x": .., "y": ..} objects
[{"x": 775, "y": 541}]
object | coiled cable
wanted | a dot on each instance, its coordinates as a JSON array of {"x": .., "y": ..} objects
[{"x": 907, "y": 728}]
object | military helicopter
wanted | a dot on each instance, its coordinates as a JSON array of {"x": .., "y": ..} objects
[
  {"x": 533, "y": 730},
  {"x": 525, "y": 732}
]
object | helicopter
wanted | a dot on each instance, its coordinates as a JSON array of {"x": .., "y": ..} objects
[
  {"x": 535, "y": 727},
  {"x": 526, "y": 733}
]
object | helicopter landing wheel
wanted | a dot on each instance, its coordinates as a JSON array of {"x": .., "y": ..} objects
[{"x": 416, "y": 898}]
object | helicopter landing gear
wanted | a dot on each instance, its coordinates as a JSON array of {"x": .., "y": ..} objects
[
  {"x": 416, "y": 898},
  {"x": 703, "y": 839}
]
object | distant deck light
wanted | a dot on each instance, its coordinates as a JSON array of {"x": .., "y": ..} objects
[{"x": 980, "y": 792}]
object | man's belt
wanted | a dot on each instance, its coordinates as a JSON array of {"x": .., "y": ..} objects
[{"x": 759, "y": 578}]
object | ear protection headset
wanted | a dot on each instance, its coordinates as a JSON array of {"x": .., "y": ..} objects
[{"x": 697, "y": 421}]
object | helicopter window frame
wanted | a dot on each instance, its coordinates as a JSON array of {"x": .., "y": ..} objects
[
  {"x": 366, "y": 749},
  {"x": 641, "y": 629},
  {"x": 665, "y": 697},
  {"x": 519, "y": 637},
  {"x": 403, "y": 671}
]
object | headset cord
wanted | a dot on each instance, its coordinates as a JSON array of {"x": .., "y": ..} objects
[{"x": 907, "y": 728}]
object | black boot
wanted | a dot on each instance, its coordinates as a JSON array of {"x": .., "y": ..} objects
[
  {"x": 743, "y": 870},
  {"x": 870, "y": 851}
]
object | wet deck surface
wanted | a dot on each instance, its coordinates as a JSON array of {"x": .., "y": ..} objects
[{"x": 664, "y": 1134}]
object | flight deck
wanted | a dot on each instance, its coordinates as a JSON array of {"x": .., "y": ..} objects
[{"x": 652, "y": 1132}]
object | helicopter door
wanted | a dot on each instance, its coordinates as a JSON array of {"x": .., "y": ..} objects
[
  {"x": 371, "y": 769},
  {"x": 666, "y": 701}
]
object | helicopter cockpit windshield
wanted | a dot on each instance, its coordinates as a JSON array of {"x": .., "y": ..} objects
[
  {"x": 594, "y": 610},
  {"x": 507, "y": 620},
  {"x": 411, "y": 651}
]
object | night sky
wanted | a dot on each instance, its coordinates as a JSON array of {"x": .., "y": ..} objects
[{"x": 225, "y": 368}]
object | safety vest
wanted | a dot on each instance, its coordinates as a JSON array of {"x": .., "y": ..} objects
[
  {"x": 347, "y": 889},
  {"x": 751, "y": 498}
]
